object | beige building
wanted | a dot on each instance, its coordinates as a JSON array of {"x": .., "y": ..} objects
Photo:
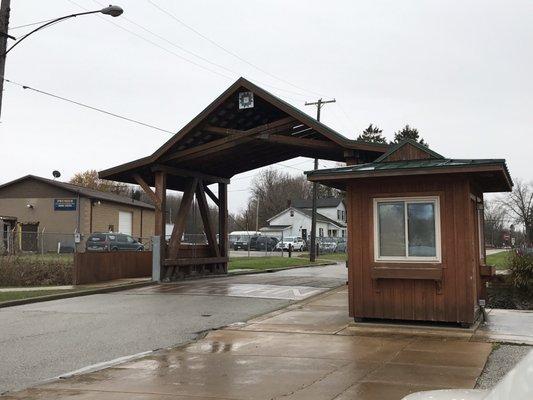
[{"x": 39, "y": 213}]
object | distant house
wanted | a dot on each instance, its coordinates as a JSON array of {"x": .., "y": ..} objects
[
  {"x": 45, "y": 212},
  {"x": 296, "y": 219}
]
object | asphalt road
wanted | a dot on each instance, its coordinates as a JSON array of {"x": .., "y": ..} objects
[{"x": 44, "y": 340}]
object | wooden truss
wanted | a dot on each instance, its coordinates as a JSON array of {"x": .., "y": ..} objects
[{"x": 177, "y": 259}]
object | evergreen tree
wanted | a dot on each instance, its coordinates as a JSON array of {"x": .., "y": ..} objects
[
  {"x": 372, "y": 134},
  {"x": 408, "y": 133}
]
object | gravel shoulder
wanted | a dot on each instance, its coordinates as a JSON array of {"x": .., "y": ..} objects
[{"x": 502, "y": 359}]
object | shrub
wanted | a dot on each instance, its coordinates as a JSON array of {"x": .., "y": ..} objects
[
  {"x": 35, "y": 270},
  {"x": 521, "y": 267}
]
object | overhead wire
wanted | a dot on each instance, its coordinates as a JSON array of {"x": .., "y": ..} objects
[
  {"x": 157, "y": 45},
  {"x": 174, "y": 44},
  {"x": 30, "y": 24},
  {"x": 27, "y": 87},
  {"x": 233, "y": 54}
]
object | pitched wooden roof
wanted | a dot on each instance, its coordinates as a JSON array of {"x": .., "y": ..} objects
[
  {"x": 408, "y": 149},
  {"x": 225, "y": 140}
]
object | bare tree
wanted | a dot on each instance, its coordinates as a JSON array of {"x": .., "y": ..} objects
[
  {"x": 494, "y": 221},
  {"x": 520, "y": 205},
  {"x": 273, "y": 189}
]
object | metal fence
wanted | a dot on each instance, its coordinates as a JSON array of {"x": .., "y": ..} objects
[{"x": 43, "y": 242}]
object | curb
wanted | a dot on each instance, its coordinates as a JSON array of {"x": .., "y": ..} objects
[
  {"x": 262, "y": 271},
  {"x": 80, "y": 293}
]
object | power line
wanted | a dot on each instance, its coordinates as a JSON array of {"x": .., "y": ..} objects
[
  {"x": 31, "y": 24},
  {"x": 87, "y": 106},
  {"x": 237, "y": 74},
  {"x": 157, "y": 45},
  {"x": 171, "y": 15},
  {"x": 160, "y": 37}
]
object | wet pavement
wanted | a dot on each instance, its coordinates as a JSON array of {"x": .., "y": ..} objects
[
  {"x": 508, "y": 326},
  {"x": 44, "y": 340},
  {"x": 299, "y": 352}
]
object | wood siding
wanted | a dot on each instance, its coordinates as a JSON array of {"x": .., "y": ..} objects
[
  {"x": 448, "y": 291},
  {"x": 102, "y": 267},
  {"x": 408, "y": 152}
]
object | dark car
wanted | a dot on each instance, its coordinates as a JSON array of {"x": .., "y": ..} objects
[
  {"x": 112, "y": 242},
  {"x": 263, "y": 243},
  {"x": 243, "y": 241}
]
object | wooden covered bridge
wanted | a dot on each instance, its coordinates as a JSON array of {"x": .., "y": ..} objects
[{"x": 245, "y": 128}]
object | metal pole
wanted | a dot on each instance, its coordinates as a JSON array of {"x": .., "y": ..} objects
[
  {"x": 257, "y": 216},
  {"x": 4, "y": 25},
  {"x": 312, "y": 253}
]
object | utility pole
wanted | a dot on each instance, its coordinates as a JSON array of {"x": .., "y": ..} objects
[
  {"x": 257, "y": 216},
  {"x": 312, "y": 251},
  {"x": 4, "y": 25}
]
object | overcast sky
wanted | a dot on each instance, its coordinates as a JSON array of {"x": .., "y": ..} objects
[{"x": 459, "y": 71}]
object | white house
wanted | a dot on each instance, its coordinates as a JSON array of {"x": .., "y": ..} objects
[{"x": 296, "y": 220}]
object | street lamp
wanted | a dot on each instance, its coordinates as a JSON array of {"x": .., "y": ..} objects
[{"x": 113, "y": 11}]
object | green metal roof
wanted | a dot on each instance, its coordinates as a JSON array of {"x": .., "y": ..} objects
[
  {"x": 503, "y": 180},
  {"x": 411, "y": 164}
]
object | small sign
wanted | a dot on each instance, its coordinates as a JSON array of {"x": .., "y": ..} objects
[
  {"x": 65, "y": 204},
  {"x": 246, "y": 100}
]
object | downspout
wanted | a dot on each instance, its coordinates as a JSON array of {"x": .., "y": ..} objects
[
  {"x": 141, "y": 232},
  {"x": 78, "y": 206},
  {"x": 90, "y": 216}
]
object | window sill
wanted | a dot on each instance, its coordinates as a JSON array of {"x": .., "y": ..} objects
[{"x": 433, "y": 272}]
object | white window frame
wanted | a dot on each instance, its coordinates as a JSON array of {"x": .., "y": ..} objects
[{"x": 407, "y": 258}]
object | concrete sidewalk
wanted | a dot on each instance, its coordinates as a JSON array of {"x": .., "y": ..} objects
[{"x": 305, "y": 351}]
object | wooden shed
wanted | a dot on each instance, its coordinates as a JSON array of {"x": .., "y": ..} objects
[{"x": 415, "y": 226}]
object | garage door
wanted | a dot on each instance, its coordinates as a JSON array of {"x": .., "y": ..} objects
[{"x": 125, "y": 222}]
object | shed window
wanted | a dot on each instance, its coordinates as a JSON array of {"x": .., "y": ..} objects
[{"x": 407, "y": 229}]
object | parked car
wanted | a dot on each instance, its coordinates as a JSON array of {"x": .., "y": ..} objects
[
  {"x": 112, "y": 242},
  {"x": 297, "y": 244},
  {"x": 267, "y": 243},
  {"x": 243, "y": 241}
]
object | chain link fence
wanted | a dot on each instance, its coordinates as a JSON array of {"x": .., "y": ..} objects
[{"x": 243, "y": 244}]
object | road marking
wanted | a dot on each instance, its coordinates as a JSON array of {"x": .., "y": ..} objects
[{"x": 102, "y": 365}]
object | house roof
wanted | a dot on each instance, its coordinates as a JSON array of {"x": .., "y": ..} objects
[
  {"x": 275, "y": 227},
  {"x": 328, "y": 202},
  {"x": 308, "y": 213},
  {"x": 492, "y": 174},
  {"x": 226, "y": 139},
  {"x": 322, "y": 218},
  {"x": 83, "y": 191}
]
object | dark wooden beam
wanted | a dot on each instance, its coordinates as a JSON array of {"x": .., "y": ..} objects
[
  {"x": 189, "y": 174},
  {"x": 231, "y": 141},
  {"x": 160, "y": 179},
  {"x": 194, "y": 261},
  {"x": 221, "y": 131},
  {"x": 212, "y": 196},
  {"x": 179, "y": 225},
  {"x": 142, "y": 183},
  {"x": 300, "y": 142},
  {"x": 204, "y": 212},
  {"x": 223, "y": 229}
]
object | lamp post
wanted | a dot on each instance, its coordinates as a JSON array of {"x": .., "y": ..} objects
[{"x": 113, "y": 11}]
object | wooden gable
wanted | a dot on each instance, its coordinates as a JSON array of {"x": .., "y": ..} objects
[{"x": 409, "y": 150}]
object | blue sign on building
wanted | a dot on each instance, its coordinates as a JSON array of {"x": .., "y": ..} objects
[{"x": 65, "y": 204}]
